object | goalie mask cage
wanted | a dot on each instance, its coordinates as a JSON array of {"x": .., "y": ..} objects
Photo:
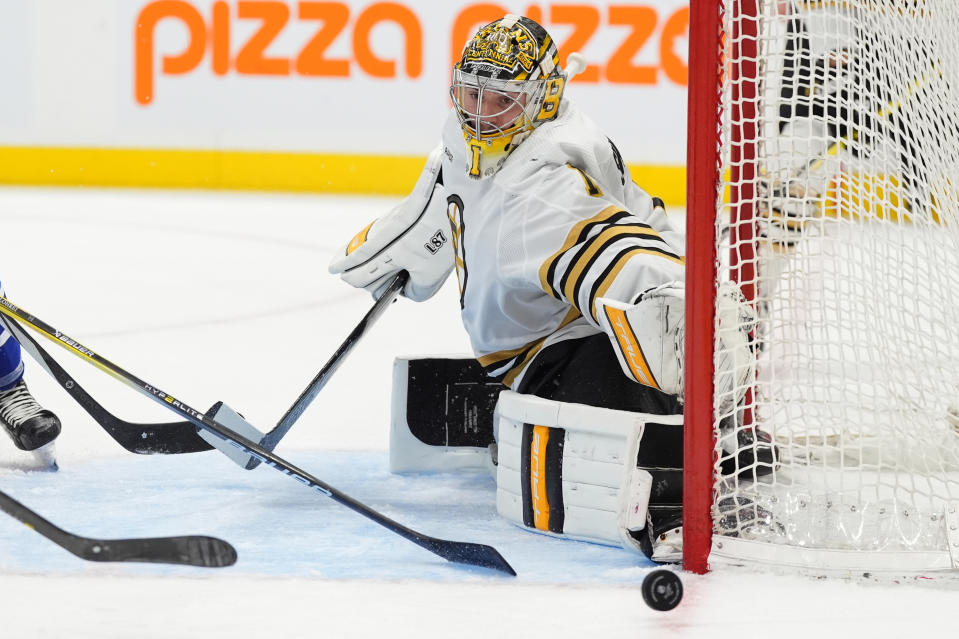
[{"x": 823, "y": 180}]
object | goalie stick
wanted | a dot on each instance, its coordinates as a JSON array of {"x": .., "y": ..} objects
[
  {"x": 272, "y": 438},
  {"x": 187, "y": 550},
  {"x": 175, "y": 438},
  {"x": 454, "y": 551}
]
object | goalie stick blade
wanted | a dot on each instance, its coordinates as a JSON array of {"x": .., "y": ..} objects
[
  {"x": 470, "y": 554},
  {"x": 189, "y": 550},
  {"x": 173, "y": 438}
]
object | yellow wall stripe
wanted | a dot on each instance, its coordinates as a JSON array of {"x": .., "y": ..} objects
[
  {"x": 251, "y": 170},
  {"x": 240, "y": 170},
  {"x": 537, "y": 477}
]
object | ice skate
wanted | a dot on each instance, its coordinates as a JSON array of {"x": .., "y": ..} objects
[{"x": 29, "y": 425}]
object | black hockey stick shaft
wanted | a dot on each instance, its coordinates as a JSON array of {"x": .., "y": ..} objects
[
  {"x": 454, "y": 551},
  {"x": 273, "y": 437},
  {"x": 188, "y": 550},
  {"x": 145, "y": 439}
]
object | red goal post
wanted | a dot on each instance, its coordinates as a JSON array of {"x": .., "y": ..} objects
[{"x": 702, "y": 169}]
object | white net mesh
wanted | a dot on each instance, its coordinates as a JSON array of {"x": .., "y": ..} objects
[{"x": 847, "y": 241}]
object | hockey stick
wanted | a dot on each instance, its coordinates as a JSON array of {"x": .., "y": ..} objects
[
  {"x": 454, "y": 551},
  {"x": 144, "y": 439},
  {"x": 181, "y": 437},
  {"x": 282, "y": 427},
  {"x": 188, "y": 550}
]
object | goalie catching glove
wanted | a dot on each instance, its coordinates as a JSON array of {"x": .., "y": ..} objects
[{"x": 414, "y": 237}]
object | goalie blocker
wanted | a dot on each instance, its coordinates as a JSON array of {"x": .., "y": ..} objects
[{"x": 564, "y": 469}]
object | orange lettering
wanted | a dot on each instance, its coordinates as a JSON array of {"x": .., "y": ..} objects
[
  {"x": 585, "y": 21},
  {"x": 406, "y": 19},
  {"x": 311, "y": 61},
  {"x": 468, "y": 20},
  {"x": 251, "y": 59},
  {"x": 620, "y": 67},
  {"x": 676, "y": 27},
  {"x": 146, "y": 24},
  {"x": 221, "y": 38}
]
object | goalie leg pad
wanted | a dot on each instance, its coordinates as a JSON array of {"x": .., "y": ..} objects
[
  {"x": 570, "y": 470},
  {"x": 441, "y": 415}
]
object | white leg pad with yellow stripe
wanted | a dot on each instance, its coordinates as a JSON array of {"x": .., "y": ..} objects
[
  {"x": 570, "y": 470},
  {"x": 648, "y": 337}
]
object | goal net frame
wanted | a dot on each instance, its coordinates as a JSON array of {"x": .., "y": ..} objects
[{"x": 725, "y": 112}]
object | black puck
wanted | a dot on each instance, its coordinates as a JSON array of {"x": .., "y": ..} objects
[{"x": 662, "y": 590}]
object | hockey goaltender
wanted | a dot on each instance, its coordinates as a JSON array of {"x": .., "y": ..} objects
[{"x": 571, "y": 290}]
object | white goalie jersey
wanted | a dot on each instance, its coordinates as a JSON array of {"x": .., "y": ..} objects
[{"x": 558, "y": 227}]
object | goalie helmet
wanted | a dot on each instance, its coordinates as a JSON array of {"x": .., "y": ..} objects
[{"x": 507, "y": 83}]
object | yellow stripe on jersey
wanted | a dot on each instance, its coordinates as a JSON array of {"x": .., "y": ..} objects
[
  {"x": 537, "y": 477},
  {"x": 527, "y": 350},
  {"x": 578, "y": 269},
  {"x": 514, "y": 372},
  {"x": 572, "y": 239},
  {"x": 629, "y": 345},
  {"x": 487, "y": 361},
  {"x": 607, "y": 281}
]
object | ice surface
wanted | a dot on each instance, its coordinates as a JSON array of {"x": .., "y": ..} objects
[{"x": 221, "y": 296}]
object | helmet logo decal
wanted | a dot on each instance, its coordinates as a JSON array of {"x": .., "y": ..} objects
[{"x": 501, "y": 47}]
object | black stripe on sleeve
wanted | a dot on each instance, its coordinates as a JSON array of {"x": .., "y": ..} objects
[
  {"x": 599, "y": 254},
  {"x": 551, "y": 271},
  {"x": 594, "y": 290}
]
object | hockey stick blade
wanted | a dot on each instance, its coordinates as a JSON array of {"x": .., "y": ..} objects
[
  {"x": 171, "y": 438},
  {"x": 187, "y": 550},
  {"x": 454, "y": 551},
  {"x": 470, "y": 554},
  {"x": 282, "y": 427}
]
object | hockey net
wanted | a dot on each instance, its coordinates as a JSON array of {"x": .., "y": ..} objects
[{"x": 831, "y": 143}]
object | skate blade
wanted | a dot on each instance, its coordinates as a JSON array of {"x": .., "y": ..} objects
[{"x": 46, "y": 458}]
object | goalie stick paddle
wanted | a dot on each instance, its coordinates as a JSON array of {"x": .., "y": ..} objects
[
  {"x": 282, "y": 427},
  {"x": 454, "y": 551},
  {"x": 144, "y": 439},
  {"x": 187, "y": 550}
]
